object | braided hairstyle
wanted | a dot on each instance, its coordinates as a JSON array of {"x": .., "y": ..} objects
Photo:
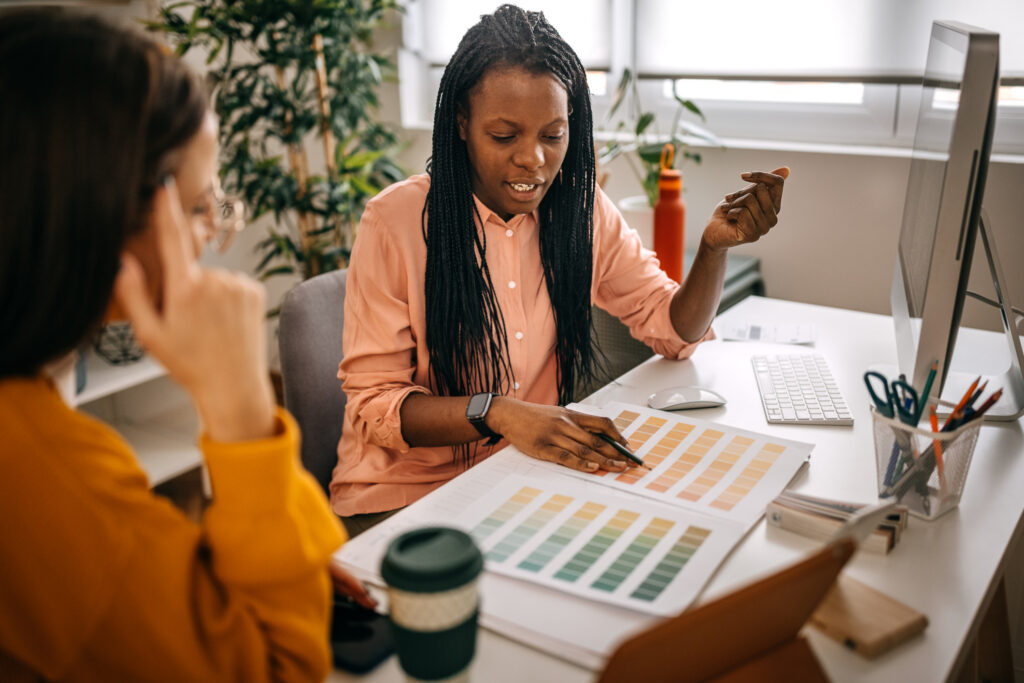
[{"x": 466, "y": 334}]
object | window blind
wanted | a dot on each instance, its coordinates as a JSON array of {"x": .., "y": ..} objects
[
  {"x": 584, "y": 24},
  {"x": 817, "y": 39}
]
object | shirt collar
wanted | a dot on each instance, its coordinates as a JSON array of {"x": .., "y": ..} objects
[{"x": 487, "y": 215}]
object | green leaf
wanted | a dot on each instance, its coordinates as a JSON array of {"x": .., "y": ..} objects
[
  {"x": 609, "y": 153},
  {"x": 651, "y": 153},
  {"x": 698, "y": 131},
  {"x": 689, "y": 106},
  {"x": 650, "y": 184},
  {"x": 643, "y": 122},
  {"x": 277, "y": 270},
  {"x": 365, "y": 187},
  {"x": 357, "y": 161},
  {"x": 695, "y": 157},
  {"x": 621, "y": 90},
  {"x": 215, "y": 51}
]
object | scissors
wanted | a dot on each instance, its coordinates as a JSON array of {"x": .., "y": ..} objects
[{"x": 892, "y": 406}]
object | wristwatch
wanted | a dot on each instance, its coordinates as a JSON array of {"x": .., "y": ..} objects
[{"x": 476, "y": 413}]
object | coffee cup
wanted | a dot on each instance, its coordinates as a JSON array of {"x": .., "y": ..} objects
[{"x": 432, "y": 575}]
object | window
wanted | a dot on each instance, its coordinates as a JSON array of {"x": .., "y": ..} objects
[{"x": 804, "y": 71}]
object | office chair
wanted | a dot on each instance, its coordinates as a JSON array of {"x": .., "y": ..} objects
[{"x": 309, "y": 337}]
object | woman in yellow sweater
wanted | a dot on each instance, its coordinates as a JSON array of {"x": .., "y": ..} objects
[{"x": 108, "y": 160}]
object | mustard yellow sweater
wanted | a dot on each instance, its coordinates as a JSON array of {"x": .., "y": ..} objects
[{"x": 101, "y": 580}]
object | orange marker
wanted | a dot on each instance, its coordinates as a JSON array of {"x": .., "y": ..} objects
[{"x": 963, "y": 401}]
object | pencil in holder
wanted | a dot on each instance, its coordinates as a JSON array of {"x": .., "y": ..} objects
[{"x": 924, "y": 470}]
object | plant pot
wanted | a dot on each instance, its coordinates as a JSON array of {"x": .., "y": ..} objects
[
  {"x": 640, "y": 216},
  {"x": 116, "y": 344}
]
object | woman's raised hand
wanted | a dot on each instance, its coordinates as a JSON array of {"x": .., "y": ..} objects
[
  {"x": 558, "y": 435},
  {"x": 747, "y": 214},
  {"x": 208, "y": 329}
]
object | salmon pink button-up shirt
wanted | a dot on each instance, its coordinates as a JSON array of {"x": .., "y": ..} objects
[{"x": 385, "y": 339}]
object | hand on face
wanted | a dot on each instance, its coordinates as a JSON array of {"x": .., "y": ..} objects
[
  {"x": 558, "y": 435},
  {"x": 207, "y": 329},
  {"x": 747, "y": 214}
]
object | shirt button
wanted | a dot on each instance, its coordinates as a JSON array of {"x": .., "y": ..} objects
[
  {"x": 519, "y": 335},
  {"x": 512, "y": 284},
  {"x": 509, "y": 233},
  {"x": 516, "y": 385}
]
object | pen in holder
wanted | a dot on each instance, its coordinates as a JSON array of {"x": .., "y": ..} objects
[{"x": 923, "y": 470}]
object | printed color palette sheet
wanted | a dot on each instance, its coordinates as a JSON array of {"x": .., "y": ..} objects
[
  {"x": 700, "y": 465},
  {"x": 630, "y": 552}
]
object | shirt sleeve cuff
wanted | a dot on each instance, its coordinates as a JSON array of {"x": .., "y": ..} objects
[
  {"x": 269, "y": 520},
  {"x": 666, "y": 341},
  {"x": 384, "y": 420},
  {"x": 254, "y": 474},
  {"x": 687, "y": 348}
]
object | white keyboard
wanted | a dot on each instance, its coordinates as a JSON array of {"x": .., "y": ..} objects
[{"x": 799, "y": 389}]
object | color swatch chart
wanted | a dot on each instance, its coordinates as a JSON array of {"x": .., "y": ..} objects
[
  {"x": 705, "y": 466},
  {"x": 634, "y": 553}
]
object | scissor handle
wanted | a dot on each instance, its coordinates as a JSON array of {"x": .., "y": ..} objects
[
  {"x": 907, "y": 415},
  {"x": 884, "y": 406}
]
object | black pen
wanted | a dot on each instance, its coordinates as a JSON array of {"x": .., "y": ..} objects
[{"x": 623, "y": 450}]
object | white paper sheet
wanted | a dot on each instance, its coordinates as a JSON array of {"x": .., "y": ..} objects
[
  {"x": 573, "y": 536},
  {"x": 700, "y": 465},
  {"x": 778, "y": 334}
]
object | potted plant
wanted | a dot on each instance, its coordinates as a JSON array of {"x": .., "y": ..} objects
[
  {"x": 289, "y": 76},
  {"x": 643, "y": 145}
]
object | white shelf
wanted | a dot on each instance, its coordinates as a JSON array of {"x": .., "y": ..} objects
[
  {"x": 103, "y": 378},
  {"x": 165, "y": 443}
]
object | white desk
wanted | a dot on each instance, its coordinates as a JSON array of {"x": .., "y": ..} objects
[{"x": 947, "y": 569}]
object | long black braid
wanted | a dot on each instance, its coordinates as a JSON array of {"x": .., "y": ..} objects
[{"x": 466, "y": 333}]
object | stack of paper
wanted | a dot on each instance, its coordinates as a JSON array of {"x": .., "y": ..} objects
[{"x": 820, "y": 518}]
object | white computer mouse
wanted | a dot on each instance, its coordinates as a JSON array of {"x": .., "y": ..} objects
[{"x": 684, "y": 398}]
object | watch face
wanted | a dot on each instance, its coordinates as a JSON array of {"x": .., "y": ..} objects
[{"x": 477, "y": 405}]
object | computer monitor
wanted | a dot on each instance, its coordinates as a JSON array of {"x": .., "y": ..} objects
[{"x": 945, "y": 189}]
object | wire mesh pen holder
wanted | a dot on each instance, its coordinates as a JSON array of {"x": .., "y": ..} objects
[{"x": 924, "y": 470}]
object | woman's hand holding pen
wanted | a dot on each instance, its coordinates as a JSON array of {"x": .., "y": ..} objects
[
  {"x": 558, "y": 435},
  {"x": 747, "y": 214}
]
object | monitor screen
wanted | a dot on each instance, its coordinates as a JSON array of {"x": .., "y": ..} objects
[
  {"x": 945, "y": 187},
  {"x": 939, "y": 99}
]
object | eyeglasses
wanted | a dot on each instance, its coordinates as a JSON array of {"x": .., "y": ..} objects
[{"x": 226, "y": 218}]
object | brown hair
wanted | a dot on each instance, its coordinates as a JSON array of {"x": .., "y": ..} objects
[{"x": 91, "y": 114}]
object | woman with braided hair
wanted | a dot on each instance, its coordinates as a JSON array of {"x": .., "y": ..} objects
[{"x": 468, "y": 304}]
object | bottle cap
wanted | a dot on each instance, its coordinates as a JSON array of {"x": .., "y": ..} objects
[{"x": 669, "y": 178}]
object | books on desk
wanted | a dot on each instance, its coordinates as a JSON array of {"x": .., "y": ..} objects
[{"x": 820, "y": 518}]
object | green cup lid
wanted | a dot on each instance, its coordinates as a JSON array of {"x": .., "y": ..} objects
[{"x": 431, "y": 560}]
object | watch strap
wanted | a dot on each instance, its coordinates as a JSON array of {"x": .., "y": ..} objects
[{"x": 479, "y": 420}]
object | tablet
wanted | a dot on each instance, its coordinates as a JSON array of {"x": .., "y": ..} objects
[{"x": 739, "y": 630}]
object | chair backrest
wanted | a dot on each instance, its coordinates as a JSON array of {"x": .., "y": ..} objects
[{"x": 309, "y": 336}]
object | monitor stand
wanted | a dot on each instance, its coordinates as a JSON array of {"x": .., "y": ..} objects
[{"x": 1011, "y": 406}]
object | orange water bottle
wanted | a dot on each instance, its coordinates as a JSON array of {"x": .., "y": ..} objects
[{"x": 669, "y": 217}]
